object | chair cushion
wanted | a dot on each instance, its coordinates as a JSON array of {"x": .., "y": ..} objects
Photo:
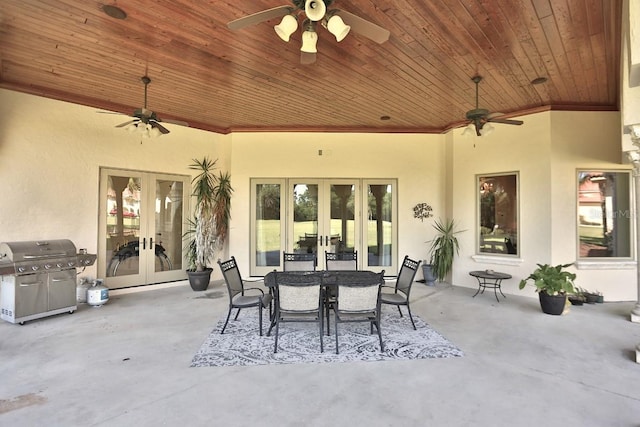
[
  {"x": 246, "y": 300},
  {"x": 392, "y": 298}
]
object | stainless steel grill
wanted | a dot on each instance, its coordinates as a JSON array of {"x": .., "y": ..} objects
[{"x": 39, "y": 278}]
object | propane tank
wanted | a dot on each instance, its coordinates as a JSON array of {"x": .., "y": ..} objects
[
  {"x": 97, "y": 294},
  {"x": 81, "y": 290}
]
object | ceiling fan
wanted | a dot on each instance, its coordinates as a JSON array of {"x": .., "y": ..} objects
[
  {"x": 337, "y": 22},
  {"x": 146, "y": 121},
  {"x": 479, "y": 117}
]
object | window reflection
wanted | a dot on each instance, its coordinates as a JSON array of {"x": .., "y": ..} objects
[
  {"x": 604, "y": 214},
  {"x": 498, "y": 214}
]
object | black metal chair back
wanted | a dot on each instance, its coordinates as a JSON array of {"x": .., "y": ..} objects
[
  {"x": 344, "y": 261},
  {"x": 298, "y": 298},
  {"x": 299, "y": 261},
  {"x": 358, "y": 300}
]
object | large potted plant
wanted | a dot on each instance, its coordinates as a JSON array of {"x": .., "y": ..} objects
[
  {"x": 553, "y": 284},
  {"x": 443, "y": 249},
  {"x": 210, "y": 225}
]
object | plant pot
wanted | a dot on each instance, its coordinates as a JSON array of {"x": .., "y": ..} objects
[
  {"x": 576, "y": 300},
  {"x": 199, "y": 280},
  {"x": 591, "y": 298},
  {"x": 429, "y": 277},
  {"x": 552, "y": 304}
]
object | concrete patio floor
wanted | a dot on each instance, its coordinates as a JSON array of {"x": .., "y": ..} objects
[{"x": 127, "y": 364}]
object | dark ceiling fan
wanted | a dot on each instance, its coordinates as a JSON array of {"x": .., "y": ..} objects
[
  {"x": 146, "y": 121},
  {"x": 480, "y": 117},
  {"x": 337, "y": 22}
]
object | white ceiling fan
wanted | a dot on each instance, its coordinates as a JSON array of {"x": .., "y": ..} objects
[{"x": 337, "y": 22}]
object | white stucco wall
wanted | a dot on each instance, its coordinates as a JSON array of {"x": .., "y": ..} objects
[
  {"x": 546, "y": 151},
  {"x": 417, "y": 161},
  {"x": 50, "y": 155},
  {"x": 51, "y": 152}
]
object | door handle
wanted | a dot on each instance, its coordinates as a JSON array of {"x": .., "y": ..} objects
[
  {"x": 326, "y": 241},
  {"x": 144, "y": 243},
  {"x": 151, "y": 243}
]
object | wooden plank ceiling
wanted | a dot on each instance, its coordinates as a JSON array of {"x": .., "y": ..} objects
[{"x": 250, "y": 80}]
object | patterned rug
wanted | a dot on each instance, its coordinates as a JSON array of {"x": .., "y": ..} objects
[{"x": 242, "y": 345}]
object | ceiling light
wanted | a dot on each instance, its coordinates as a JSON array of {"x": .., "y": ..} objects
[
  {"x": 486, "y": 129},
  {"x": 309, "y": 39},
  {"x": 337, "y": 27},
  {"x": 287, "y": 26},
  {"x": 470, "y": 129},
  {"x": 114, "y": 11}
]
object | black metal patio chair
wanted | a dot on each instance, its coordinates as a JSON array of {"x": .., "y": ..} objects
[
  {"x": 402, "y": 288},
  {"x": 237, "y": 297},
  {"x": 358, "y": 300}
]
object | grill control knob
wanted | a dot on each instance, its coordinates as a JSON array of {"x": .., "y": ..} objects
[
  {"x": 59, "y": 265},
  {"x": 21, "y": 269},
  {"x": 71, "y": 263},
  {"x": 35, "y": 267},
  {"x": 47, "y": 266}
]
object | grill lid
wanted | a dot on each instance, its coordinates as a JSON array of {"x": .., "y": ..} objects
[
  {"x": 37, "y": 250},
  {"x": 41, "y": 255}
]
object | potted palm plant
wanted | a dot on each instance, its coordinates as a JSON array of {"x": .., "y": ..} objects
[
  {"x": 210, "y": 225},
  {"x": 444, "y": 247},
  {"x": 553, "y": 284}
]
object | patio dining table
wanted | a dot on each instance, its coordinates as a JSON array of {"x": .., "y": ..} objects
[{"x": 329, "y": 280}]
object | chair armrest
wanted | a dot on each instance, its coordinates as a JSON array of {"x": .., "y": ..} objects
[
  {"x": 254, "y": 289},
  {"x": 266, "y": 300}
]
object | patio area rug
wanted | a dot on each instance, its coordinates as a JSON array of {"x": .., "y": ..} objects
[{"x": 299, "y": 342}]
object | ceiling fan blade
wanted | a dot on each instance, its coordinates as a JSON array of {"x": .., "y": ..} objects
[
  {"x": 506, "y": 121},
  {"x": 158, "y": 126},
  {"x": 364, "y": 27},
  {"x": 493, "y": 115},
  {"x": 174, "y": 122},
  {"x": 121, "y": 125},
  {"x": 259, "y": 17},
  {"x": 307, "y": 58}
]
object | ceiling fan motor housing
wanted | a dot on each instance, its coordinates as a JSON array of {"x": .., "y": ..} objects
[{"x": 477, "y": 113}]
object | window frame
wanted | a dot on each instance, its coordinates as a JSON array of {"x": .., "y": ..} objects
[
  {"x": 479, "y": 179},
  {"x": 629, "y": 213}
]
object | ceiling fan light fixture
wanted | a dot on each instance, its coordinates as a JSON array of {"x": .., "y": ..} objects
[
  {"x": 286, "y": 27},
  {"x": 486, "y": 129},
  {"x": 315, "y": 9},
  {"x": 338, "y": 28},
  {"x": 154, "y": 132},
  {"x": 309, "y": 41},
  {"x": 470, "y": 129}
]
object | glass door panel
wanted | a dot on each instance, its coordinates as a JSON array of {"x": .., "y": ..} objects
[
  {"x": 122, "y": 214},
  {"x": 305, "y": 218},
  {"x": 267, "y": 219},
  {"x": 342, "y": 229},
  {"x": 167, "y": 230},
  {"x": 380, "y": 227}
]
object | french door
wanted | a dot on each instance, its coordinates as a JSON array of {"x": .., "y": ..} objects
[
  {"x": 323, "y": 215},
  {"x": 141, "y": 222}
]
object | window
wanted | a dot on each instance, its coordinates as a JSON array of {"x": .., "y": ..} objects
[
  {"x": 604, "y": 214},
  {"x": 498, "y": 214}
]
